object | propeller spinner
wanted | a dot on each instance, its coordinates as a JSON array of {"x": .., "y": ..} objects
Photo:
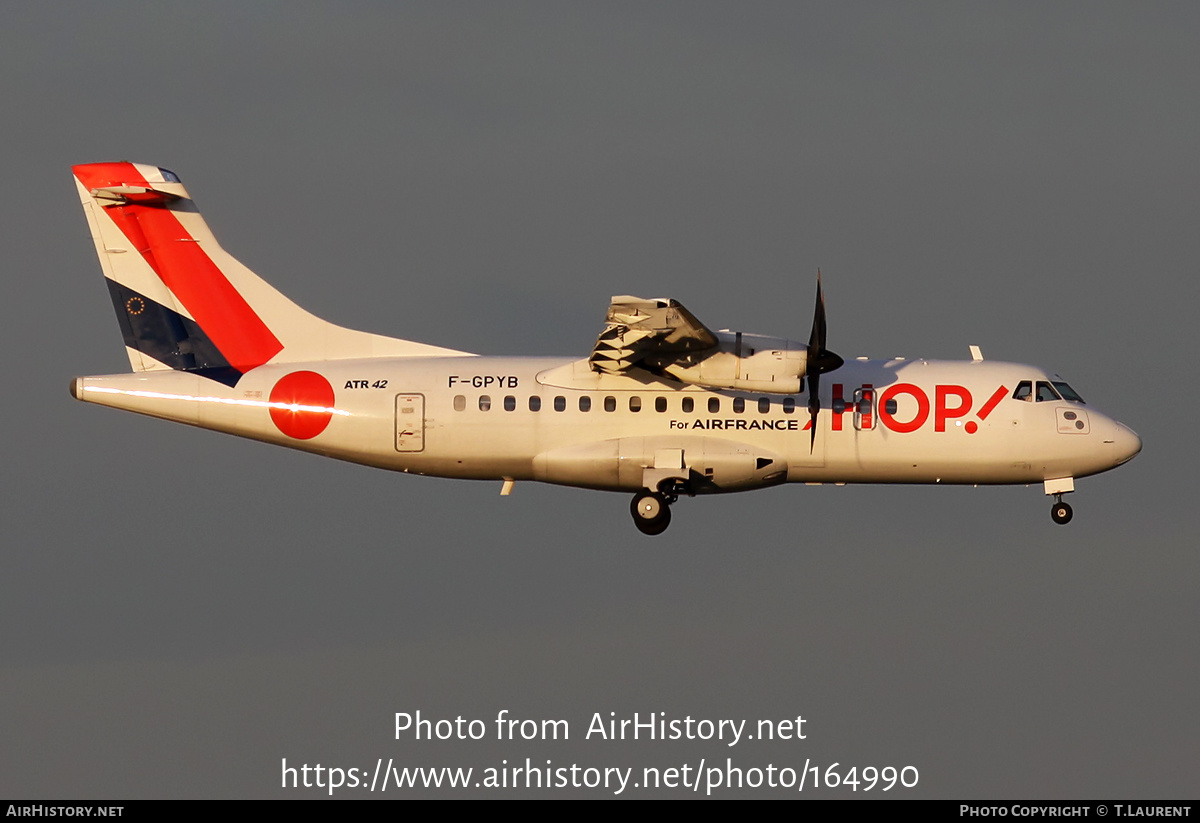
[{"x": 819, "y": 361}]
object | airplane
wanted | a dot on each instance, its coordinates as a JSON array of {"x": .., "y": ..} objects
[{"x": 663, "y": 407}]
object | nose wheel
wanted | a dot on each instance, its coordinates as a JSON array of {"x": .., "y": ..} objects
[
  {"x": 651, "y": 512},
  {"x": 1060, "y": 512}
]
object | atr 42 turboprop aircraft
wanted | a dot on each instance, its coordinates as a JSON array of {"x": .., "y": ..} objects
[{"x": 662, "y": 407}]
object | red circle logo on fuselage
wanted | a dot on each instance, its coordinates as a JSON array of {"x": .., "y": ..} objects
[{"x": 302, "y": 404}]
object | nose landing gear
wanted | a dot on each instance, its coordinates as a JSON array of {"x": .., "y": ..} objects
[
  {"x": 651, "y": 511},
  {"x": 1060, "y": 512}
]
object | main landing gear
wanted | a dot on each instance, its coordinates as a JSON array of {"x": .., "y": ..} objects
[
  {"x": 652, "y": 511},
  {"x": 1060, "y": 512}
]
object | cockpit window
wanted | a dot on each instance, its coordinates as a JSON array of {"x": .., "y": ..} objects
[
  {"x": 1067, "y": 392},
  {"x": 1045, "y": 392},
  {"x": 1024, "y": 391}
]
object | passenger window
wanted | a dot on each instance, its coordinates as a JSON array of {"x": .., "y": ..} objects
[
  {"x": 610, "y": 403},
  {"x": 688, "y": 405},
  {"x": 535, "y": 403},
  {"x": 585, "y": 403},
  {"x": 1045, "y": 392},
  {"x": 764, "y": 405},
  {"x": 560, "y": 403},
  {"x": 510, "y": 403},
  {"x": 485, "y": 402},
  {"x": 789, "y": 405},
  {"x": 635, "y": 403},
  {"x": 460, "y": 402},
  {"x": 660, "y": 404},
  {"x": 739, "y": 405},
  {"x": 714, "y": 404},
  {"x": 1024, "y": 391}
]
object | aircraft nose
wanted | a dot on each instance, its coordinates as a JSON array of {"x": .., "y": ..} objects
[{"x": 1126, "y": 442}]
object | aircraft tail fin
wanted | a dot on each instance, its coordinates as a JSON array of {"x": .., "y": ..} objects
[{"x": 185, "y": 303}]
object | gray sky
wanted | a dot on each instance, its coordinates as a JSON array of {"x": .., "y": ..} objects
[{"x": 181, "y": 609}]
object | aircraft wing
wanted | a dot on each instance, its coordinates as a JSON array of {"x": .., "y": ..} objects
[{"x": 649, "y": 334}]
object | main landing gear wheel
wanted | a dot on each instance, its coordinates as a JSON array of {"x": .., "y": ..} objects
[
  {"x": 651, "y": 512},
  {"x": 1061, "y": 513}
]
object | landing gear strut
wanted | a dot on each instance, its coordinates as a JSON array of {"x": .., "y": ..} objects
[
  {"x": 1060, "y": 512},
  {"x": 651, "y": 511}
]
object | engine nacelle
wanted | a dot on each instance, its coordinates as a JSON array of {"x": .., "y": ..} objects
[{"x": 746, "y": 362}]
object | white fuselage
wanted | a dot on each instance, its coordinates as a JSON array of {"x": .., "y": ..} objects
[{"x": 556, "y": 420}]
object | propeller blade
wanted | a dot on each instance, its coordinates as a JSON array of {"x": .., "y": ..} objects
[
  {"x": 814, "y": 406},
  {"x": 819, "y": 359},
  {"x": 816, "y": 339}
]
